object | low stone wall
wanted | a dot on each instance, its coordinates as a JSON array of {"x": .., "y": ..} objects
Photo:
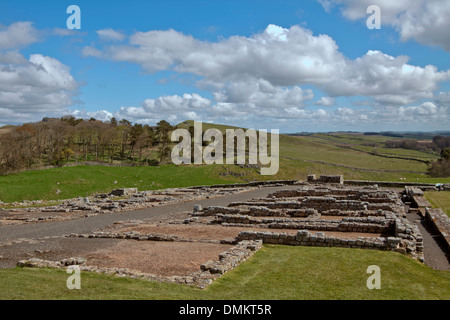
[
  {"x": 123, "y": 192},
  {"x": 410, "y": 235},
  {"x": 441, "y": 222},
  {"x": 350, "y": 213},
  {"x": 255, "y": 210},
  {"x": 413, "y": 191},
  {"x": 316, "y": 203},
  {"x": 209, "y": 271},
  {"x": 349, "y": 224},
  {"x": 326, "y": 179},
  {"x": 418, "y": 200},
  {"x": 232, "y": 257},
  {"x": 213, "y": 210},
  {"x": 371, "y": 195},
  {"x": 421, "y": 202},
  {"x": 134, "y": 235},
  {"x": 250, "y": 184},
  {"x": 306, "y": 238},
  {"x": 330, "y": 203},
  {"x": 389, "y": 184}
]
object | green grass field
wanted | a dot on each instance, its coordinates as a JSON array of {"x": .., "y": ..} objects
[
  {"x": 87, "y": 180},
  {"x": 439, "y": 200},
  {"x": 273, "y": 273},
  {"x": 299, "y": 156}
]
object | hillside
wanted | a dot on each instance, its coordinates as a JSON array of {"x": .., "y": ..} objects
[
  {"x": 6, "y": 129},
  {"x": 356, "y": 156}
]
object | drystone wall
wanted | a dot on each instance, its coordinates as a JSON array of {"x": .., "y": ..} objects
[
  {"x": 441, "y": 222},
  {"x": 306, "y": 238},
  {"x": 348, "y": 224},
  {"x": 326, "y": 179}
]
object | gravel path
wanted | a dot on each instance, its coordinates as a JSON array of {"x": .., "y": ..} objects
[
  {"x": 89, "y": 224},
  {"x": 435, "y": 253},
  {"x": 45, "y": 239}
]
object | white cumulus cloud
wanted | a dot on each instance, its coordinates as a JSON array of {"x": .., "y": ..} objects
[
  {"x": 110, "y": 35},
  {"x": 282, "y": 60},
  {"x": 426, "y": 21},
  {"x": 18, "y": 35},
  {"x": 31, "y": 88}
]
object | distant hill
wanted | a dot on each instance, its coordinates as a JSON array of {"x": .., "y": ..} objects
[
  {"x": 393, "y": 134},
  {"x": 93, "y": 156},
  {"x": 410, "y": 135},
  {"x": 205, "y": 126}
]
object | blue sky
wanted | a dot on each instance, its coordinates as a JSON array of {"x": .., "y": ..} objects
[{"x": 289, "y": 65}]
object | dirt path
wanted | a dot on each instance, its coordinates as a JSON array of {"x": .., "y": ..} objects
[{"x": 89, "y": 224}]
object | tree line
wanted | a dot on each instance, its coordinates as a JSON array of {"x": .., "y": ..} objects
[
  {"x": 54, "y": 141},
  {"x": 441, "y": 144},
  {"x": 441, "y": 167},
  {"x": 58, "y": 141},
  {"x": 437, "y": 144}
]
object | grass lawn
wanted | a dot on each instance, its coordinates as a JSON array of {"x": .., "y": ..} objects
[
  {"x": 439, "y": 200},
  {"x": 273, "y": 273},
  {"x": 88, "y": 180},
  {"x": 81, "y": 181}
]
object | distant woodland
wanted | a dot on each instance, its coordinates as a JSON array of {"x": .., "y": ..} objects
[
  {"x": 59, "y": 141},
  {"x": 436, "y": 145},
  {"x": 439, "y": 168}
]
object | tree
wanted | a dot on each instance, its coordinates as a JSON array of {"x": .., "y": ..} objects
[
  {"x": 162, "y": 131},
  {"x": 137, "y": 136},
  {"x": 441, "y": 142},
  {"x": 66, "y": 154},
  {"x": 445, "y": 154},
  {"x": 124, "y": 129},
  {"x": 55, "y": 141},
  {"x": 441, "y": 167}
]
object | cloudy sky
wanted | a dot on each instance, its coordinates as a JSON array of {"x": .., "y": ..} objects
[{"x": 304, "y": 65}]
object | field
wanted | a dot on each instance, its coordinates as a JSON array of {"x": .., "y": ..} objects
[
  {"x": 273, "y": 273},
  {"x": 87, "y": 180},
  {"x": 299, "y": 156},
  {"x": 439, "y": 200}
]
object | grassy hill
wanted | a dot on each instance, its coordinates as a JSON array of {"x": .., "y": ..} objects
[
  {"x": 356, "y": 156},
  {"x": 275, "y": 272}
]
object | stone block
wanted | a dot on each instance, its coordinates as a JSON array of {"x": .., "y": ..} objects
[{"x": 124, "y": 192}]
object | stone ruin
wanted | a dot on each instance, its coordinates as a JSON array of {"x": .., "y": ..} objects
[
  {"x": 117, "y": 200},
  {"x": 321, "y": 212},
  {"x": 209, "y": 271},
  {"x": 437, "y": 218},
  {"x": 326, "y": 179},
  {"x": 323, "y": 215}
]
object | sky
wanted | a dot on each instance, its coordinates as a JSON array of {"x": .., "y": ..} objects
[{"x": 295, "y": 66}]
